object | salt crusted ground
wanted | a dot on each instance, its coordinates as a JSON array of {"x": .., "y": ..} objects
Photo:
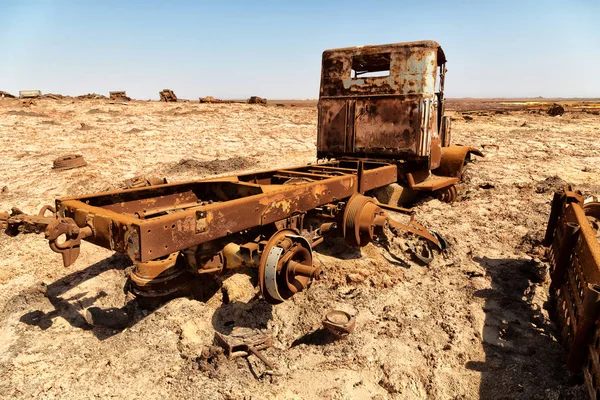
[{"x": 472, "y": 325}]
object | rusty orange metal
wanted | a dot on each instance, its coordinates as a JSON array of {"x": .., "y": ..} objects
[
  {"x": 574, "y": 254},
  {"x": 381, "y": 122}
]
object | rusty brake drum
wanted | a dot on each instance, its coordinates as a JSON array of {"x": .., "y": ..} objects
[{"x": 286, "y": 266}]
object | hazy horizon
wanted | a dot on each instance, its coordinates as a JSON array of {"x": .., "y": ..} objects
[{"x": 233, "y": 50}]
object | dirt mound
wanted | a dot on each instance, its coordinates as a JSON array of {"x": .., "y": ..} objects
[
  {"x": 22, "y": 113},
  {"x": 91, "y": 96},
  {"x": 550, "y": 185},
  {"x": 213, "y": 167},
  {"x": 96, "y": 111}
]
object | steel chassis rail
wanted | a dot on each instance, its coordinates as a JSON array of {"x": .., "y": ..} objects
[{"x": 152, "y": 222}]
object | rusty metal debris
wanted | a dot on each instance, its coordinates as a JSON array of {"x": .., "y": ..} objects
[
  {"x": 163, "y": 278},
  {"x": 143, "y": 181},
  {"x": 91, "y": 96},
  {"x": 6, "y": 95},
  {"x": 257, "y": 100},
  {"x": 17, "y": 222},
  {"x": 53, "y": 96},
  {"x": 245, "y": 342},
  {"x": 574, "y": 254},
  {"x": 167, "y": 95},
  {"x": 556, "y": 110},
  {"x": 29, "y": 94},
  {"x": 273, "y": 220},
  {"x": 340, "y": 323},
  {"x": 69, "y": 162},
  {"x": 210, "y": 100},
  {"x": 119, "y": 96}
]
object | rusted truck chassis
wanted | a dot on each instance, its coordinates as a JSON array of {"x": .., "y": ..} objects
[
  {"x": 271, "y": 220},
  {"x": 374, "y": 131}
]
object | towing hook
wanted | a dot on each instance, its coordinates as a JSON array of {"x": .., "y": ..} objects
[{"x": 70, "y": 247}]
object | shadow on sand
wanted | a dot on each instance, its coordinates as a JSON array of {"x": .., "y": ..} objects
[{"x": 523, "y": 359}]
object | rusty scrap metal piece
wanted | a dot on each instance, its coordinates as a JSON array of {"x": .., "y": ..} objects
[
  {"x": 167, "y": 95},
  {"x": 18, "y": 222},
  {"x": 419, "y": 230},
  {"x": 556, "y": 110},
  {"x": 6, "y": 95},
  {"x": 209, "y": 100},
  {"x": 143, "y": 181},
  {"x": 454, "y": 158},
  {"x": 590, "y": 311},
  {"x": 113, "y": 317},
  {"x": 159, "y": 278},
  {"x": 54, "y": 96},
  {"x": 119, "y": 96},
  {"x": 574, "y": 254},
  {"x": 257, "y": 100},
  {"x": 340, "y": 323},
  {"x": 244, "y": 342},
  {"x": 29, "y": 94},
  {"x": 69, "y": 162},
  {"x": 91, "y": 96}
]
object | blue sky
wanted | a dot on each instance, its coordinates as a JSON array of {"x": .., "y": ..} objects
[{"x": 234, "y": 49}]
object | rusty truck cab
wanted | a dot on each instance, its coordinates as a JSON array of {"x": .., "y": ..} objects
[{"x": 387, "y": 102}]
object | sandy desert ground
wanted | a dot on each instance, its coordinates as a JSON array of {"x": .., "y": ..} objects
[{"x": 474, "y": 324}]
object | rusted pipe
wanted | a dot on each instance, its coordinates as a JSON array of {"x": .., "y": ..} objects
[
  {"x": 317, "y": 242},
  {"x": 327, "y": 227},
  {"x": 380, "y": 221},
  {"x": 308, "y": 271}
]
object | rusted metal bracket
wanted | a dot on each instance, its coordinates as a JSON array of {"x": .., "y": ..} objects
[
  {"x": 419, "y": 230},
  {"x": 18, "y": 222},
  {"x": 243, "y": 342},
  {"x": 54, "y": 228}
]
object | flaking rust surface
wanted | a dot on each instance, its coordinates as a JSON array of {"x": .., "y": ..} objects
[{"x": 472, "y": 325}]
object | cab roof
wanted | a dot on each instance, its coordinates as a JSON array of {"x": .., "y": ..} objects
[{"x": 391, "y": 48}]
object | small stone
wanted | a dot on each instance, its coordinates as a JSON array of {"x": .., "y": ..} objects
[
  {"x": 238, "y": 287},
  {"x": 387, "y": 281},
  {"x": 354, "y": 278},
  {"x": 115, "y": 318}
]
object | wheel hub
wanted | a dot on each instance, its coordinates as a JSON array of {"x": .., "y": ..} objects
[{"x": 286, "y": 266}]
